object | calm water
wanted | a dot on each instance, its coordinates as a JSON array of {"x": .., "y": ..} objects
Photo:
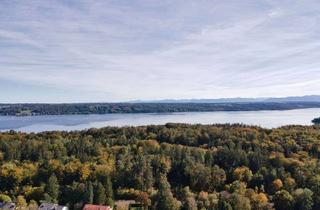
[{"x": 267, "y": 119}]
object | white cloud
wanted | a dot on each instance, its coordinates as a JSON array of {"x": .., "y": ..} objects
[{"x": 163, "y": 49}]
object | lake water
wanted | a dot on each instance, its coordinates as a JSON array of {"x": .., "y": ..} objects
[{"x": 267, "y": 119}]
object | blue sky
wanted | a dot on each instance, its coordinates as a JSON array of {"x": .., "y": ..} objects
[{"x": 88, "y": 51}]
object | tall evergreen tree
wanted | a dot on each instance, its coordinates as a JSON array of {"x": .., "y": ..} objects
[
  {"x": 99, "y": 194},
  {"x": 88, "y": 196},
  {"x": 108, "y": 190},
  {"x": 165, "y": 199},
  {"x": 52, "y": 189}
]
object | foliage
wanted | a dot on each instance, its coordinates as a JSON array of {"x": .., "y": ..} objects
[
  {"x": 100, "y": 194},
  {"x": 165, "y": 199},
  {"x": 5, "y": 199},
  {"x": 283, "y": 200},
  {"x": 52, "y": 189},
  {"x": 316, "y": 121},
  {"x": 88, "y": 196},
  {"x": 21, "y": 202},
  {"x": 172, "y": 166},
  {"x": 303, "y": 199}
]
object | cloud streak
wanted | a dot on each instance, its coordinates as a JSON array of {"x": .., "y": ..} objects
[{"x": 123, "y": 50}]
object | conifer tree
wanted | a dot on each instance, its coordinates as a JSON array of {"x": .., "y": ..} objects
[
  {"x": 108, "y": 190},
  {"x": 52, "y": 189},
  {"x": 165, "y": 199},
  {"x": 99, "y": 194},
  {"x": 88, "y": 197}
]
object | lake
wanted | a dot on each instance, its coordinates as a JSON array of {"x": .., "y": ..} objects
[{"x": 267, "y": 119}]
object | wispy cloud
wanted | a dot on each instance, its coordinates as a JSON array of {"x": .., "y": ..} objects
[{"x": 124, "y": 50}]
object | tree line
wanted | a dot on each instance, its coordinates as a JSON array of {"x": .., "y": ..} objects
[
  {"x": 105, "y": 108},
  {"x": 168, "y": 167}
]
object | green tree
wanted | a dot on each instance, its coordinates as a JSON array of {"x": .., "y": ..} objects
[
  {"x": 100, "y": 194},
  {"x": 165, "y": 199},
  {"x": 283, "y": 200},
  {"x": 88, "y": 196},
  {"x": 52, "y": 189},
  {"x": 315, "y": 187},
  {"x": 200, "y": 177},
  {"x": 303, "y": 199},
  {"x": 218, "y": 178},
  {"x": 108, "y": 190},
  {"x": 224, "y": 205},
  {"x": 5, "y": 198}
]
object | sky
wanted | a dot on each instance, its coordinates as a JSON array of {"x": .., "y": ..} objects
[{"x": 108, "y": 51}]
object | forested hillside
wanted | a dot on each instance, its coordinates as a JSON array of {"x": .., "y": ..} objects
[
  {"x": 104, "y": 108},
  {"x": 174, "y": 166}
]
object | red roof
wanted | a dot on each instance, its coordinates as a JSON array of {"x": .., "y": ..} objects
[{"x": 96, "y": 207}]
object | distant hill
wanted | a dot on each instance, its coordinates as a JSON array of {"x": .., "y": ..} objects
[
  {"x": 161, "y": 106},
  {"x": 309, "y": 98}
]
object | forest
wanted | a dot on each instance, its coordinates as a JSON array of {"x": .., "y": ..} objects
[
  {"x": 167, "y": 167},
  {"x": 104, "y": 108},
  {"x": 316, "y": 121}
]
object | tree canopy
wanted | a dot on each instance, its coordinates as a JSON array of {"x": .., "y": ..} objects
[
  {"x": 172, "y": 166},
  {"x": 316, "y": 121}
]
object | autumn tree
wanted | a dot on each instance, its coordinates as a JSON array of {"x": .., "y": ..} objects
[
  {"x": 188, "y": 200},
  {"x": 277, "y": 184},
  {"x": 21, "y": 202},
  {"x": 240, "y": 202},
  {"x": 242, "y": 174},
  {"x": 33, "y": 205},
  {"x": 144, "y": 199}
]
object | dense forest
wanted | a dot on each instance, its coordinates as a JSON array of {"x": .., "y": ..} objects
[
  {"x": 168, "y": 167},
  {"x": 104, "y": 108}
]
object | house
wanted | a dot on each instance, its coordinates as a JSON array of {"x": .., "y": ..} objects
[
  {"x": 52, "y": 206},
  {"x": 7, "y": 206},
  {"x": 96, "y": 207}
]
